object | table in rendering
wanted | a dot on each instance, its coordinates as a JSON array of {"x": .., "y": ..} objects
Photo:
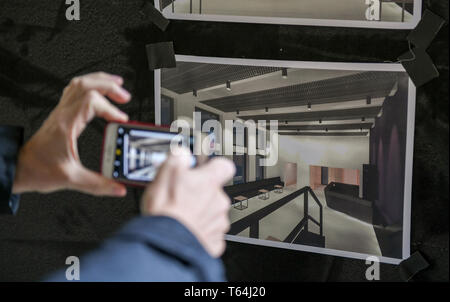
[
  {"x": 278, "y": 189},
  {"x": 265, "y": 194},
  {"x": 239, "y": 204}
]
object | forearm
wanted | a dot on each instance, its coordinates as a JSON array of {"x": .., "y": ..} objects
[{"x": 152, "y": 248}]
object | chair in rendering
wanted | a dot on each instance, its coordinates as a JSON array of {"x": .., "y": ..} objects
[
  {"x": 278, "y": 189},
  {"x": 239, "y": 202},
  {"x": 264, "y": 194}
]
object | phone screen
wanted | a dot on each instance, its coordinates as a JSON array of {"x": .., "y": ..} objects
[{"x": 139, "y": 153}]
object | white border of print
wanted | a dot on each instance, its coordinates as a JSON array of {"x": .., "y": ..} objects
[
  {"x": 417, "y": 11},
  {"x": 330, "y": 66}
]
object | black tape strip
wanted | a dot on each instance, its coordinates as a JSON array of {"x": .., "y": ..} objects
[
  {"x": 161, "y": 55},
  {"x": 155, "y": 16},
  {"x": 408, "y": 268},
  {"x": 426, "y": 30},
  {"x": 419, "y": 66}
]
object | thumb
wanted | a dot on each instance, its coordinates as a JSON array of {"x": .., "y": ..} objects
[
  {"x": 179, "y": 159},
  {"x": 91, "y": 182},
  {"x": 219, "y": 170}
]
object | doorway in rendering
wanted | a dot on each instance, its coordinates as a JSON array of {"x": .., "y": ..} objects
[
  {"x": 320, "y": 176},
  {"x": 241, "y": 171},
  {"x": 290, "y": 174}
]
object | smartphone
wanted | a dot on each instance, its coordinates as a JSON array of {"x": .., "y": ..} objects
[{"x": 133, "y": 152}]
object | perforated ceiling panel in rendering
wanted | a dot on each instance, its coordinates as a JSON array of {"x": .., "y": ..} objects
[
  {"x": 188, "y": 76},
  {"x": 346, "y": 88}
]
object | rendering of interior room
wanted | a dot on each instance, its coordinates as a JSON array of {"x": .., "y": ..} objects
[
  {"x": 339, "y": 179},
  {"x": 358, "y": 10}
]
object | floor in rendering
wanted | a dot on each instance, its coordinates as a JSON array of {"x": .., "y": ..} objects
[{"x": 341, "y": 231}]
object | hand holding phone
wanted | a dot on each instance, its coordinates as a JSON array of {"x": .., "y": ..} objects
[{"x": 49, "y": 161}]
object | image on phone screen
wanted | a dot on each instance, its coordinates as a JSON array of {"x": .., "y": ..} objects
[{"x": 139, "y": 153}]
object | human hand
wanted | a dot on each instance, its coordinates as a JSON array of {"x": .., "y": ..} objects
[
  {"x": 194, "y": 197},
  {"x": 49, "y": 161}
]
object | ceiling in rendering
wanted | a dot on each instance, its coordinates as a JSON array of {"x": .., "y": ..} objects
[
  {"x": 326, "y": 115},
  {"x": 339, "y": 89},
  {"x": 304, "y": 101}
]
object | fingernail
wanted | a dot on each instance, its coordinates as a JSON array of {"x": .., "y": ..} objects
[
  {"x": 118, "y": 79},
  {"x": 125, "y": 94},
  {"x": 123, "y": 116},
  {"x": 119, "y": 191}
]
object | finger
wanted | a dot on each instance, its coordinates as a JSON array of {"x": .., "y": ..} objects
[
  {"x": 107, "y": 76},
  {"x": 219, "y": 170},
  {"x": 219, "y": 206},
  {"x": 104, "y": 109},
  {"x": 116, "y": 78},
  {"x": 180, "y": 157},
  {"x": 223, "y": 202},
  {"x": 218, "y": 227},
  {"x": 90, "y": 182},
  {"x": 220, "y": 203},
  {"x": 221, "y": 220},
  {"x": 178, "y": 160},
  {"x": 221, "y": 247},
  {"x": 104, "y": 84},
  {"x": 216, "y": 245}
]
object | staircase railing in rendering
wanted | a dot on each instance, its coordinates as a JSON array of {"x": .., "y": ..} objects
[{"x": 252, "y": 221}]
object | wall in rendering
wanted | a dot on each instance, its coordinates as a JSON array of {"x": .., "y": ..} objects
[
  {"x": 387, "y": 153},
  {"x": 328, "y": 151}
]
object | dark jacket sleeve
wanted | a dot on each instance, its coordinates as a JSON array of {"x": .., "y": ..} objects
[
  {"x": 10, "y": 142},
  {"x": 152, "y": 248}
]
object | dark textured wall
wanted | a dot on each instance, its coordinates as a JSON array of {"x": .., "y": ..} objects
[
  {"x": 387, "y": 153},
  {"x": 40, "y": 52}
]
